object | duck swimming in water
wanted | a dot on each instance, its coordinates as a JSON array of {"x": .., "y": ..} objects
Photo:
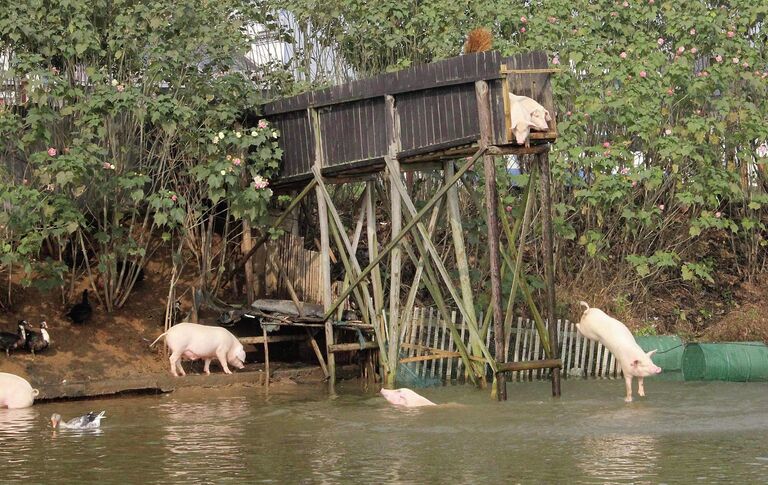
[{"x": 91, "y": 420}]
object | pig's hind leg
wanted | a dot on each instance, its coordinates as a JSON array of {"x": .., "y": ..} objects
[{"x": 175, "y": 360}]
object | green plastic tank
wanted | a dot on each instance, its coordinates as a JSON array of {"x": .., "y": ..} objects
[
  {"x": 669, "y": 350},
  {"x": 730, "y": 361}
]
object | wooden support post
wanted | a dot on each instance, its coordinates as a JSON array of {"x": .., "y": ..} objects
[
  {"x": 373, "y": 252},
  {"x": 266, "y": 356},
  {"x": 549, "y": 267},
  {"x": 491, "y": 205},
  {"x": 325, "y": 247},
  {"x": 393, "y": 138},
  {"x": 318, "y": 353}
]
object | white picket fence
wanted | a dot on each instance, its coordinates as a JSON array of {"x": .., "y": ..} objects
[{"x": 428, "y": 334}]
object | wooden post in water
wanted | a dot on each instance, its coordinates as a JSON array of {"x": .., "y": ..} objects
[
  {"x": 549, "y": 265},
  {"x": 393, "y": 138},
  {"x": 325, "y": 248},
  {"x": 491, "y": 205}
]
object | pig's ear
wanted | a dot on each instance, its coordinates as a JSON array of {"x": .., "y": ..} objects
[
  {"x": 635, "y": 362},
  {"x": 650, "y": 354}
]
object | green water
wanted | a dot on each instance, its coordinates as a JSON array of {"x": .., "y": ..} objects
[{"x": 681, "y": 433}]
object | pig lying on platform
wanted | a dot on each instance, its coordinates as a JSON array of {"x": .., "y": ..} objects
[
  {"x": 15, "y": 392},
  {"x": 193, "y": 341},
  {"x": 525, "y": 113},
  {"x": 405, "y": 397},
  {"x": 596, "y": 325}
]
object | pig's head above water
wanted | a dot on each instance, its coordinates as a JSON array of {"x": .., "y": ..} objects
[
  {"x": 236, "y": 356},
  {"x": 405, "y": 397},
  {"x": 644, "y": 366}
]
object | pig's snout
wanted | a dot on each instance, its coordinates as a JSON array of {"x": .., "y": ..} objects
[{"x": 656, "y": 370}]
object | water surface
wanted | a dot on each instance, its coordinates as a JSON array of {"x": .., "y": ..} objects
[{"x": 681, "y": 433}]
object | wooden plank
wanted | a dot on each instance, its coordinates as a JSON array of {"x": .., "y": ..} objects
[
  {"x": 529, "y": 365},
  {"x": 352, "y": 347},
  {"x": 272, "y": 339},
  {"x": 443, "y": 363},
  {"x": 451, "y": 362}
]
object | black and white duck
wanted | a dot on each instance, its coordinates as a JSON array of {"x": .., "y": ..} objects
[
  {"x": 81, "y": 312},
  {"x": 11, "y": 341},
  {"x": 38, "y": 341},
  {"x": 92, "y": 420}
]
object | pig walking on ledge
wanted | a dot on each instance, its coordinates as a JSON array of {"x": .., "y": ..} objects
[
  {"x": 193, "y": 341},
  {"x": 596, "y": 325}
]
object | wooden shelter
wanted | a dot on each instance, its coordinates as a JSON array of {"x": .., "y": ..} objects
[{"x": 423, "y": 118}]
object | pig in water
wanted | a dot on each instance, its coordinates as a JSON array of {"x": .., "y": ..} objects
[
  {"x": 596, "y": 325},
  {"x": 193, "y": 341},
  {"x": 15, "y": 392},
  {"x": 405, "y": 397}
]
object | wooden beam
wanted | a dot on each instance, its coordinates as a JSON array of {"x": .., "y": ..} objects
[
  {"x": 350, "y": 347},
  {"x": 318, "y": 353},
  {"x": 554, "y": 364},
  {"x": 272, "y": 339}
]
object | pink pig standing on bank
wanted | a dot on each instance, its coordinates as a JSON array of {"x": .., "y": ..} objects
[
  {"x": 15, "y": 392},
  {"x": 596, "y": 325},
  {"x": 405, "y": 397},
  {"x": 193, "y": 341}
]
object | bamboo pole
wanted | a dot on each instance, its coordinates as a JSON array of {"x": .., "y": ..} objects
[
  {"x": 408, "y": 227},
  {"x": 549, "y": 266},
  {"x": 491, "y": 203},
  {"x": 325, "y": 249},
  {"x": 475, "y": 338}
]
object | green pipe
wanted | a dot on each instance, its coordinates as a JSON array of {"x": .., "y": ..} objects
[
  {"x": 730, "y": 361},
  {"x": 669, "y": 350}
]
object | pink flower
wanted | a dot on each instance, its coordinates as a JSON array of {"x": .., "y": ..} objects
[
  {"x": 120, "y": 88},
  {"x": 25, "y": 181},
  {"x": 552, "y": 20},
  {"x": 105, "y": 165},
  {"x": 651, "y": 2},
  {"x": 735, "y": 60},
  {"x": 730, "y": 34},
  {"x": 680, "y": 50},
  {"x": 237, "y": 161},
  {"x": 262, "y": 124},
  {"x": 614, "y": 14},
  {"x": 625, "y": 171},
  {"x": 568, "y": 113},
  {"x": 555, "y": 60},
  {"x": 523, "y": 19},
  {"x": 623, "y": 55},
  {"x": 668, "y": 131},
  {"x": 634, "y": 183},
  {"x": 670, "y": 91},
  {"x": 625, "y": 4},
  {"x": 173, "y": 197},
  {"x": 705, "y": 73},
  {"x": 643, "y": 74},
  {"x": 762, "y": 150},
  {"x": 694, "y": 50},
  {"x": 260, "y": 182},
  {"x": 661, "y": 207},
  {"x": 745, "y": 65},
  {"x": 718, "y": 214},
  {"x": 522, "y": 29},
  {"x": 692, "y": 32},
  {"x": 607, "y": 144},
  {"x": 660, "y": 41},
  {"x": 508, "y": 208},
  {"x": 719, "y": 58},
  {"x": 52, "y": 152}
]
